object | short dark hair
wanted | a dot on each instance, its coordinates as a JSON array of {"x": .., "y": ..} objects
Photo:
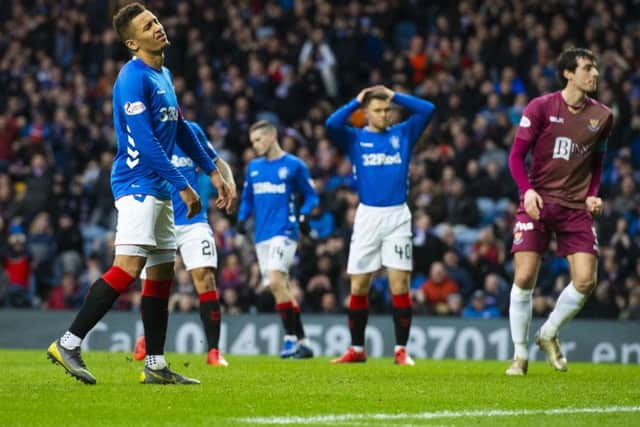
[
  {"x": 263, "y": 125},
  {"x": 123, "y": 17},
  {"x": 370, "y": 96},
  {"x": 568, "y": 60}
]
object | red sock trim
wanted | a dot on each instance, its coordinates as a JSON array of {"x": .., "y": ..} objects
[
  {"x": 359, "y": 302},
  {"x": 117, "y": 278},
  {"x": 401, "y": 301},
  {"x": 284, "y": 306},
  {"x": 208, "y": 296},
  {"x": 157, "y": 288}
]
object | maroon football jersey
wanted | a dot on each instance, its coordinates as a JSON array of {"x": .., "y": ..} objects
[{"x": 563, "y": 145}]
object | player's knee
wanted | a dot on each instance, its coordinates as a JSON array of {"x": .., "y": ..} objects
[
  {"x": 359, "y": 286},
  {"x": 399, "y": 282},
  {"x": 204, "y": 279},
  {"x": 584, "y": 284},
  {"x": 525, "y": 279},
  {"x": 131, "y": 258}
]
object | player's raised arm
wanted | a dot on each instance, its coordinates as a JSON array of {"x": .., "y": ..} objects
[
  {"x": 421, "y": 113},
  {"x": 142, "y": 138},
  {"x": 340, "y": 132}
]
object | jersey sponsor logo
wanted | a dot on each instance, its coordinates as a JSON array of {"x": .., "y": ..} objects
[
  {"x": 283, "y": 172},
  {"x": 381, "y": 159},
  {"x": 523, "y": 226},
  {"x": 594, "y": 125},
  {"x": 366, "y": 144},
  {"x": 564, "y": 148},
  {"x": 554, "y": 119},
  {"x": 395, "y": 142},
  {"x": 254, "y": 173},
  {"x": 269, "y": 188},
  {"x": 134, "y": 108},
  {"x": 181, "y": 162},
  {"x": 525, "y": 122}
]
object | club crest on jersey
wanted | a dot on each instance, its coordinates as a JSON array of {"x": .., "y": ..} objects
[
  {"x": 395, "y": 142},
  {"x": 518, "y": 238},
  {"x": 594, "y": 125},
  {"x": 283, "y": 172}
]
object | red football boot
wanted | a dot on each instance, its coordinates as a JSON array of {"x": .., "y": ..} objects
[
  {"x": 351, "y": 356},
  {"x": 140, "y": 349}
]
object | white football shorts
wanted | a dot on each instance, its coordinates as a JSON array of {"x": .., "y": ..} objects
[
  {"x": 381, "y": 237},
  {"x": 276, "y": 254},
  {"x": 145, "y": 221},
  {"x": 197, "y": 245}
]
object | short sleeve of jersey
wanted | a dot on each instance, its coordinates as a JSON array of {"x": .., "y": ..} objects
[{"x": 532, "y": 121}]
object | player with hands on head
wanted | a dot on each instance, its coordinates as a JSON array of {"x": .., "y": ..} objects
[
  {"x": 381, "y": 235},
  {"x": 566, "y": 134},
  {"x": 272, "y": 183}
]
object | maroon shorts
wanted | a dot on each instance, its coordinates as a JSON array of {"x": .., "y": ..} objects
[{"x": 573, "y": 228}]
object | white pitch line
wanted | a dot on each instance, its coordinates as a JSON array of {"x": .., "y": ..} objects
[{"x": 330, "y": 419}]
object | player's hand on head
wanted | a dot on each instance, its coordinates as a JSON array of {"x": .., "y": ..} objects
[
  {"x": 361, "y": 95},
  {"x": 594, "y": 204},
  {"x": 533, "y": 203},
  {"x": 383, "y": 88},
  {"x": 191, "y": 200}
]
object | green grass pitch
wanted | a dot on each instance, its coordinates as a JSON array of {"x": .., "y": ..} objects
[{"x": 261, "y": 390}]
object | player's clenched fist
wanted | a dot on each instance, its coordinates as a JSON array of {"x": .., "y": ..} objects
[{"x": 594, "y": 204}]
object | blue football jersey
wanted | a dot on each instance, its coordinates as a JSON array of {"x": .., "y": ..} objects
[
  {"x": 270, "y": 191},
  {"x": 188, "y": 168},
  {"x": 381, "y": 159},
  {"x": 147, "y": 120}
]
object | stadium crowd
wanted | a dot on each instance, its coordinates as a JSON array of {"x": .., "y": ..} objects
[{"x": 293, "y": 62}]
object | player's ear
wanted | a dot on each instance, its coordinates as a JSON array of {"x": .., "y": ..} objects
[
  {"x": 132, "y": 45},
  {"x": 566, "y": 74}
]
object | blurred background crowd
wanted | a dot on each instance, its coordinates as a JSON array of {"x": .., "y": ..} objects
[{"x": 293, "y": 62}]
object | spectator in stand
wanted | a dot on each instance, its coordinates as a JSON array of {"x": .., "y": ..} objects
[
  {"x": 16, "y": 262},
  {"x": 435, "y": 291},
  {"x": 478, "y": 307}
]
